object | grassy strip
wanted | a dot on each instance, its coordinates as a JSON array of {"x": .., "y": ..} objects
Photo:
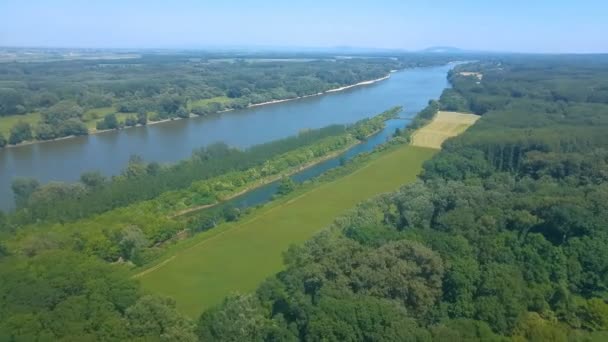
[{"x": 238, "y": 256}]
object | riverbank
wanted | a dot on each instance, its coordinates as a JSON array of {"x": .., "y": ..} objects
[
  {"x": 359, "y": 84},
  {"x": 150, "y": 123},
  {"x": 324, "y": 92}
]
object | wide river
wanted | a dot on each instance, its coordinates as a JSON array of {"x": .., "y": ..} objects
[{"x": 66, "y": 160}]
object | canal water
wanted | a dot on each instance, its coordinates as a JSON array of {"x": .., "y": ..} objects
[{"x": 265, "y": 193}]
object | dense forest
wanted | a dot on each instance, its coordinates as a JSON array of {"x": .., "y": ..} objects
[
  {"x": 504, "y": 237},
  {"x": 70, "y": 98}
]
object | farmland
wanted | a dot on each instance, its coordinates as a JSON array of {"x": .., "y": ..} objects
[{"x": 445, "y": 125}]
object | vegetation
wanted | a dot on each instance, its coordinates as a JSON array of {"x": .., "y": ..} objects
[
  {"x": 238, "y": 256},
  {"x": 65, "y": 296},
  {"x": 503, "y": 238},
  {"x": 22, "y": 131}
]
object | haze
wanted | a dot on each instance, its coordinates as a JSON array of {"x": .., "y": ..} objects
[{"x": 521, "y": 26}]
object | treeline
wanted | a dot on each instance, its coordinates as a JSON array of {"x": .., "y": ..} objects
[
  {"x": 504, "y": 238},
  {"x": 87, "y": 216},
  {"x": 165, "y": 85},
  {"x": 150, "y": 89}
]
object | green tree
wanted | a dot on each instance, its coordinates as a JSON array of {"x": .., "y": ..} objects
[
  {"x": 154, "y": 318},
  {"x": 109, "y": 122},
  {"x": 3, "y": 141},
  {"x": 92, "y": 179},
  {"x": 238, "y": 318},
  {"x": 23, "y": 188},
  {"x": 11, "y": 102},
  {"x": 182, "y": 113},
  {"x": 22, "y": 131},
  {"x": 286, "y": 186},
  {"x": 142, "y": 117},
  {"x": 130, "y": 121},
  {"x": 45, "y": 132}
]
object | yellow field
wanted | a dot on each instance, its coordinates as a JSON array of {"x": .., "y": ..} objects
[{"x": 445, "y": 125}]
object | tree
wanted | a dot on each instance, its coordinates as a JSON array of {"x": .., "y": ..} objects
[
  {"x": 142, "y": 117},
  {"x": 131, "y": 243},
  {"x": 92, "y": 179},
  {"x": 73, "y": 126},
  {"x": 130, "y": 121},
  {"x": 155, "y": 318},
  {"x": 62, "y": 111},
  {"x": 182, "y": 113},
  {"x": 22, "y": 131},
  {"x": 239, "y": 318},
  {"x": 11, "y": 102},
  {"x": 45, "y": 132},
  {"x": 135, "y": 168},
  {"x": 109, "y": 122},
  {"x": 286, "y": 186},
  {"x": 3, "y": 141},
  {"x": 23, "y": 188}
]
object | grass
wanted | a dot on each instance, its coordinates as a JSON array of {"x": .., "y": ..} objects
[
  {"x": 237, "y": 257},
  {"x": 220, "y": 99},
  {"x": 90, "y": 119},
  {"x": 7, "y": 122},
  {"x": 444, "y": 125}
]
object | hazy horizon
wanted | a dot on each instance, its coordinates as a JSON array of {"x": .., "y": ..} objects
[{"x": 519, "y": 26}]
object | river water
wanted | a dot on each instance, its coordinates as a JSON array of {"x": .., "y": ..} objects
[{"x": 66, "y": 160}]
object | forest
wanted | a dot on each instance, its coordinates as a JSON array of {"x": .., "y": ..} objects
[
  {"x": 503, "y": 238},
  {"x": 71, "y": 98}
]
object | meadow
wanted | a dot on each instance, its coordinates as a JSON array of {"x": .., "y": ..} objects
[
  {"x": 237, "y": 257},
  {"x": 7, "y": 122},
  {"x": 444, "y": 125}
]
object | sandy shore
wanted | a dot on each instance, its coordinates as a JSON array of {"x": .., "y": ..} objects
[
  {"x": 150, "y": 123},
  {"x": 325, "y": 92}
]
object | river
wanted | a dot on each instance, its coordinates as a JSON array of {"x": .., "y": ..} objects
[{"x": 109, "y": 152}]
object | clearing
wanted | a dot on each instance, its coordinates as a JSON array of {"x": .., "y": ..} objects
[
  {"x": 236, "y": 257},
  {"x": 7, "y": 122},
  {"x": 443, "y": 126}
]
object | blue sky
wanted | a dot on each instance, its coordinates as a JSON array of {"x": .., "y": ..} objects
[{"x": 516, "y": 25}]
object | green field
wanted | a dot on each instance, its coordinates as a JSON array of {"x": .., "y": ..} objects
[
  {"x": 90, "y": 119},
  {"x": 237, "y": 257},
  {"x": 7, "y": 122}
]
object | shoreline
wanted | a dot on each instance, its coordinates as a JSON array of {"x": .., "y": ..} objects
[
  {"x": 150, "y": 123},
  {"x": 333, "y": 90}
]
